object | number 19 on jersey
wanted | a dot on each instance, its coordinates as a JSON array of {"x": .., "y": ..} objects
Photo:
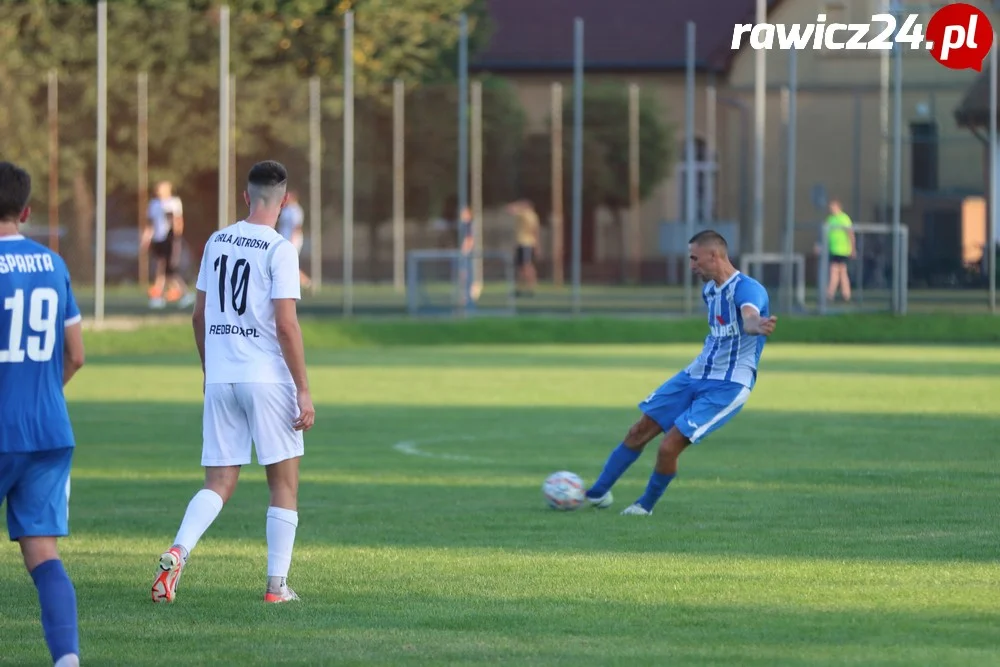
[{"x": 42, "y": 305}]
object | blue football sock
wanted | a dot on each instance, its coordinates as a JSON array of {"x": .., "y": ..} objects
[
  {"x": 654, "y": 489},
  {"x": 619, "y": 461},
  {"x": 58, "y": 600}
]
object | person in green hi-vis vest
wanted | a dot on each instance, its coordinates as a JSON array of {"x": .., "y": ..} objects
[{"x": 841, "y": 248}]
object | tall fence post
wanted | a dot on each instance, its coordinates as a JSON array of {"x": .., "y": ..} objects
[
  {"x": 632, "y": 249},
  {"x": 476, "y": 167},
  {"x": 898, "y": 256},
  {"x": 142, "y": 123},
  {"x": 348, "y": 203},
  {"x": 760, "y": 124},
  {"x": 224, "y": 124},
  {"x": 991, "y": 238},
  {"x": 54, "y": 160},
  {"x": 690, "y": 174},
  {"x": 398, "y": 186},
  {"x": 577, "y": 161},
  {"x": 232, "y": 204},
  {"x": 315, "y": 185},
  {"x": 102, "y": 159},
  {"x": 558, "y": 216},
  {"x": 791, "y": 148}
]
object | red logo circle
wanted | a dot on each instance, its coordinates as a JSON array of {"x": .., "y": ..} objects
[{"x": 960, "y": 36}]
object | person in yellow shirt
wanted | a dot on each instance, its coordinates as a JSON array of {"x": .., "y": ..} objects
[
  {"x": 526, "y": 230},
  {"x": 841, "y": 247}
]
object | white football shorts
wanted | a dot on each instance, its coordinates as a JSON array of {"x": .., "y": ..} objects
[{"x": 237, "y": 415}]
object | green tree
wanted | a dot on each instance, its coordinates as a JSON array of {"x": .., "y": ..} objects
[
  {"x": 275, "y": 45},
  {"x": 430, "y": 149},
  {"x": 605, "y": 175}
]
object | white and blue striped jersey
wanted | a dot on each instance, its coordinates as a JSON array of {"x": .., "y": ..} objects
[{"x": 730, "y": 353}]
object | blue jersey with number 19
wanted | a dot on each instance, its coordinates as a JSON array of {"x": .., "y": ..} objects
[{"x": 36, "y": 304}]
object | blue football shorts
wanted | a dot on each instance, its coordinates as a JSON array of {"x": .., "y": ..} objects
[
  {"x": 696, "y": 407},
  {"x": 35, "y": 486}
]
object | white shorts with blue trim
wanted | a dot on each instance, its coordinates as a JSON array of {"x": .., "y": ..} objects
[{"x": 696, "y": 407}]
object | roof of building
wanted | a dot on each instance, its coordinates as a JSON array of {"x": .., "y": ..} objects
[
  {"x": 974, "y": 110},
  {"x": 619, "y": 35}
]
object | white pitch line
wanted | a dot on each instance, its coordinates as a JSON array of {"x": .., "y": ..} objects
[{"x": 412, "y": 447}]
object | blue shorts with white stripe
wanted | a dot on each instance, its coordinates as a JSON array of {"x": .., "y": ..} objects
[{"x": 695, "y": 406}]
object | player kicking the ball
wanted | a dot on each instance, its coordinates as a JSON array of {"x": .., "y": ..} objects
[
  {"x": 711, "y": 390},
  {"x": 256, "y": 390}
]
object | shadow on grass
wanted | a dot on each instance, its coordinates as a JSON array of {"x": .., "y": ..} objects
[
  {"x": 771, "y": 484},
  {"x": 668, "y": 363},
  {"x": 398, "y": 626}
]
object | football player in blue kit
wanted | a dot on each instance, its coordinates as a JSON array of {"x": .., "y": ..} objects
[
  {"x": 41, "y": 347},
  {"x": 711, "y": 390}
]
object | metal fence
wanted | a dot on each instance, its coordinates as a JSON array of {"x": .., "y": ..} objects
[{"x": 385, "y": 167}]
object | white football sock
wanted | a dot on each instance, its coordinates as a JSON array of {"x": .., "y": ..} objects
[
  {"x": 281, "y": 524},
  {"x": 200, "y": 514}
]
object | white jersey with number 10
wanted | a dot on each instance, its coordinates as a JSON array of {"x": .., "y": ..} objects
[{"x": 243, "y": 268}]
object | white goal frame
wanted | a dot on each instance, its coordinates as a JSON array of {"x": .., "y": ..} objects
[
  {"x": 796, "y": 261},
  {"x": 900, "y": 277},
  {"x": 459, "y": 303}
]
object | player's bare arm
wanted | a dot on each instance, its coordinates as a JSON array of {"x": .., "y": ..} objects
[
  {"x": 73, "y": 354},
  {"x": 286, "y": 322},
  {"x": 198, "y": 323},
  {"x": 178, "y": 225},
  {"x": 755, "y": 325}
]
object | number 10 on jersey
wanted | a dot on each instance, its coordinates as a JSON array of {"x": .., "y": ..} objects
[{"x": 239, "y": 282}]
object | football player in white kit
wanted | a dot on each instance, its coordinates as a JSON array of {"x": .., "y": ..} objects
[{"x": 256, "y": 390}]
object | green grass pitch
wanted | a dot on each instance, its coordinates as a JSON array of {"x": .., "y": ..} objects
[{"x": 847, "y": 516}]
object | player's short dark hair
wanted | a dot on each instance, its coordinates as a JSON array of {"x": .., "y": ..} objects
[
  {"x": 267, "y": 174},
  {"x": 267, "y": 181},
  {"x": 709, "y": 237},
  {"x": 15, "y": 190}
]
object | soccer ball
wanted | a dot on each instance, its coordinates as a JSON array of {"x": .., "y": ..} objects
[{"x": 563, "y": 490}]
